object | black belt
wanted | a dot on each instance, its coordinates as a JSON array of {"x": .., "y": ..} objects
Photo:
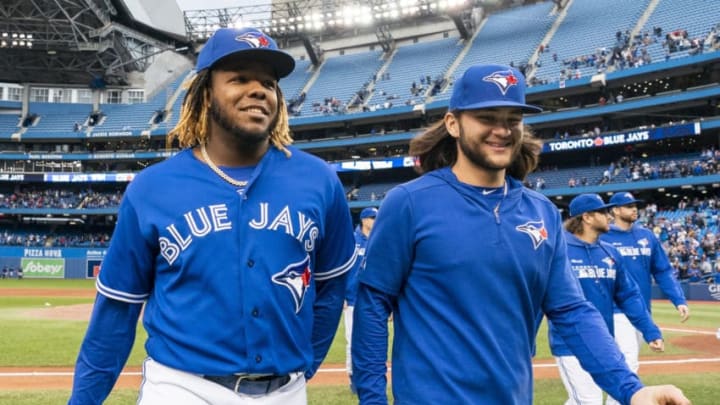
[{"x": 249, "y": 384}]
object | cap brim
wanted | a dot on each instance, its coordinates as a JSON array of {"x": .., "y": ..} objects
[
  {"x": 282, "y": 63},
  {"x": 497, "y": 104}
]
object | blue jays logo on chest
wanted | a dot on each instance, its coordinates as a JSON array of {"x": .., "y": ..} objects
[
  {"x": 296, "y": 278},
  {"x": 536, "y": 230}
]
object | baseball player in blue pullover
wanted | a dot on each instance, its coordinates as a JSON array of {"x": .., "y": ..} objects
[
  {"x": 605, "y": 283},
  {"x": 367, "y": 220},
  {"x": 645, "y": 259},
  {"x": 238, "y": 246},
  {"x": 467, "y": 260}
]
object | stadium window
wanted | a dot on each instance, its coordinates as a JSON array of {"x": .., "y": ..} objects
[
  {"x": 2, "y": 93},
  {"x": 15, "y": 93},
  {"x": 113, "y": 97},
  {"x": 136, "y": 96},
  {"x": 84, "y": 96},
  {"x": 39, "y": 94},
  {"x": 60, "y": 96}
]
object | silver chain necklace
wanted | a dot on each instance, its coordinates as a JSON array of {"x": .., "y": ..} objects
[{"x": 222, "y": 174}]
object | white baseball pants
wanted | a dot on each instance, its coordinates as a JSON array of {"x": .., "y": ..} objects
[
  {"x": 163, "y": 385},
  {"x": 628, "y": 340}
]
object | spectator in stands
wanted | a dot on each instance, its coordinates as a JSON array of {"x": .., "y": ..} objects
[
  {"x": 427, "y": 271},
  {"x": 645, "y": 260}
]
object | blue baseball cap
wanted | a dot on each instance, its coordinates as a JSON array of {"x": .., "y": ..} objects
[
  {"x": 489, "y": 86},
  {"x": 249, "y": 43},
  {"x": 587, "y": 202},
  {"x": 369, "y": 212},
  {"x": 624, "y": 198}
]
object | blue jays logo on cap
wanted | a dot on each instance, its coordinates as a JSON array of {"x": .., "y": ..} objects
[
  {"x": 246, "y": 43},
  {"x": 296, "y": 277},
  {"x": 624, "y": 198},
  {"x": 255, "y": 39},
  {"x": 490, "y": 86},
  {"x": 504, "y": 80},
  {"x": 536, "y": 230}
]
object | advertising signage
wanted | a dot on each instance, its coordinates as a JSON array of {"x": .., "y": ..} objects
[{"x": 622, "y": 138}]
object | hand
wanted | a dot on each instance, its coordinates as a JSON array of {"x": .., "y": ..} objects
[
  {"x": 684, "y": 312},
  {"x": 659, "y": 395},
  {"x": 657, "y": 345}
]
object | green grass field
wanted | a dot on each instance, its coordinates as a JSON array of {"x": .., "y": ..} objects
[{"x": 44, "y": 342}]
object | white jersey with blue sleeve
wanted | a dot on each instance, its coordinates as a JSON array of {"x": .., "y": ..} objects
[{"x": 230, "y": 275}]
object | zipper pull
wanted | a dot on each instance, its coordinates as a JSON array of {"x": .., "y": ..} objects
[{"x": 496, "y": 211}]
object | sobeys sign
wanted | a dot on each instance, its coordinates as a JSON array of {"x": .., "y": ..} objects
[{"x": 43, "y": 268}]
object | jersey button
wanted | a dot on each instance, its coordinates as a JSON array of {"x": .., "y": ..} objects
[
  {"x": 258, "y": 358},
  {"x": 250, "y": 263},
  {"x": 255, "y": 312}
]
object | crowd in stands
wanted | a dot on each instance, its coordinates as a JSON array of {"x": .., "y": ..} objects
[
  {"x": 54, "y": 239},
  {"x": 30, "y": 197},
  {"x": 627, "y": 169},
  {"x": 688, "y": 233}
]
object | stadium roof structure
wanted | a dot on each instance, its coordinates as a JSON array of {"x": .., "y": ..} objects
[{"x": 86, "y": 42}]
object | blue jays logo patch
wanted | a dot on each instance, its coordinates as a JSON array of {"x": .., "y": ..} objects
[
  {"x": 296, "y": 277},
  {"x": 609, "y": 261},
  {"x": 643, "y": 242},
  {"x": 504, "y": 79},
  {"x": 536, "y": 230},
  {"x": 254, "y": 39}
]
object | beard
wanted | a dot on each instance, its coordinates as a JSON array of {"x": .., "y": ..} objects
[
  {"x": 241, "y": 134},
  {"x": 480, "y": 158}
]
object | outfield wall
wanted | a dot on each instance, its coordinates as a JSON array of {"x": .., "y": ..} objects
[{"x": 39, "y": 262}]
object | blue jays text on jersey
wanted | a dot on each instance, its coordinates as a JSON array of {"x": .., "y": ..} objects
[
  {"x": 201, "y": 221},
  {"x": 605, "y": 283},
  {"x": 644, "y": 258},
  {"x": 209, "y": 252},
  {"x": 468, "y": 277}
]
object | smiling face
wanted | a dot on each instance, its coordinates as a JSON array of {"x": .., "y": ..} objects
[
  {"x": 244, "y": 100},
  {"x": 489, "y": 139}
]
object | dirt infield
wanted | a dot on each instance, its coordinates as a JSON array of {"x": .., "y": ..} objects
[{"x": 702, "y": 342}]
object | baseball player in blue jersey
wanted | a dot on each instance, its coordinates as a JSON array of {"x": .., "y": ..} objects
[
  {"x": 467, "y": 260},
  {"x": 644, "y": 257},
  {"x": 238, "y": 246},
  {"x": 367, "y": 220},
  {"x": 605, "y": 283}
]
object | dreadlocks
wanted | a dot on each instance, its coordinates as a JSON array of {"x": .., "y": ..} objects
[
  {"x": 192, "y": 127},
  {"x": 435, "y": 148}
]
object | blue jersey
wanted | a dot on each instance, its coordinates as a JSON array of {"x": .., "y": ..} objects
[
  {"x": 352, "y": 279},
  {"x": 605, "y": 283},
  {"x": 231, "y": 275},
  {"x": 467, "y": 273},
  {"x": 644, "y": 258}
]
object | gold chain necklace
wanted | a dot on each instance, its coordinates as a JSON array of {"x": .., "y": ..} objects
[{"x": 222, "y": 174}]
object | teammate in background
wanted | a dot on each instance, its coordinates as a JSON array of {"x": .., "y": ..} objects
[
  {"x": 367, "y": 220},
  {"x": 239, "y": 246},
  {"x": 467, "y": 260},
  {"x": 605, "y": 283},
  {"x": 644, "y": 258}
]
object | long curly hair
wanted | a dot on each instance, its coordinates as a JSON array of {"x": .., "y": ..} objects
[
  {"x": 192, "y": 127},
  {"x": 435, "y": 148}
]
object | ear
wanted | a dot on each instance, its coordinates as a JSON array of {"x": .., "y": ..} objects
[{"x": 452, "y": 124}]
